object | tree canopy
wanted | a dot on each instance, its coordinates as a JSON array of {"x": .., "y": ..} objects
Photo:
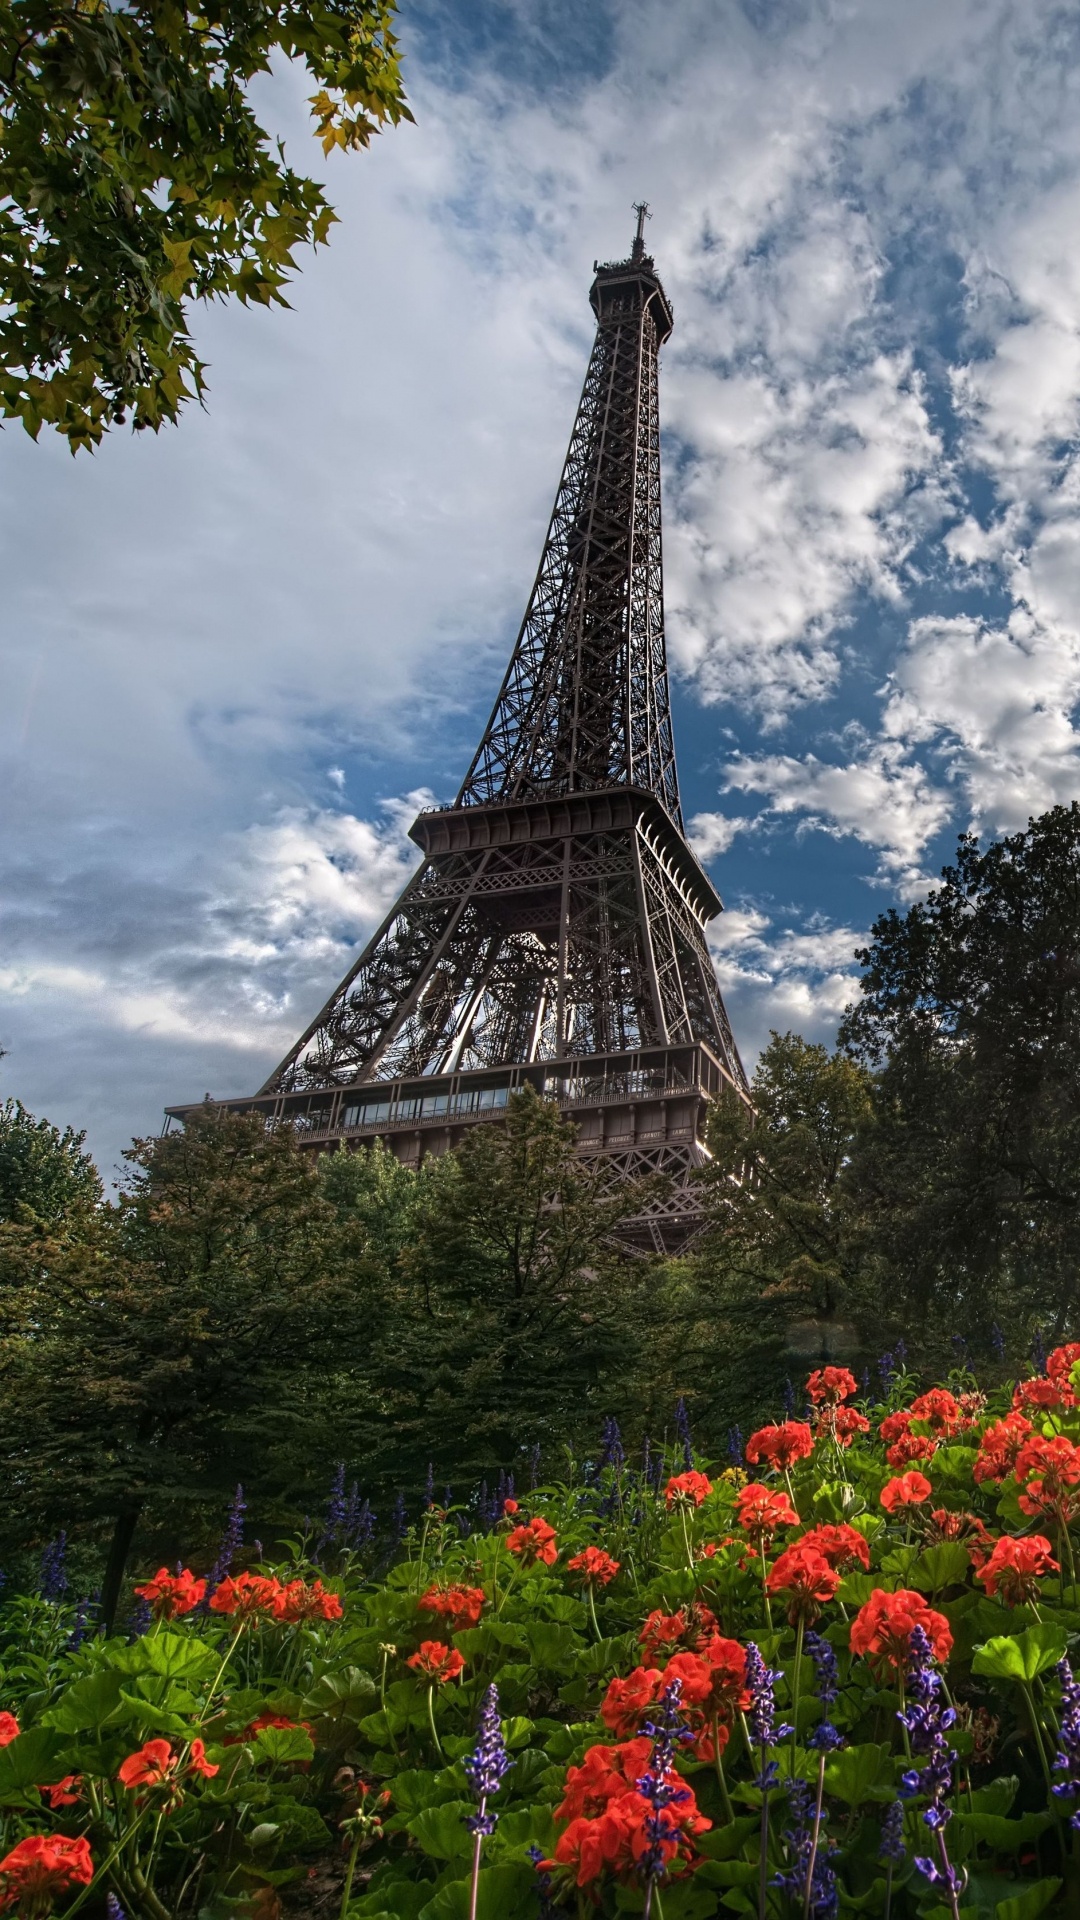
[{"x": 136, "y": 177}]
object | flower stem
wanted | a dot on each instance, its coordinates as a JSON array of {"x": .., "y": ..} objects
[
  {"x": 808, "y": 1895},
  {"x": 725, "y": 1798},
  {"x": 796, "y": 1680},
  {"x": 765, "y": 1585},
  {"x": 474, "y": 1888},
  {"x": 592, "y": 1610},
  {"x": 431, "y": 1722}
]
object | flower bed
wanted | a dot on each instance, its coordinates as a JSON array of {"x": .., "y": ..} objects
[{"x": 840, "y": 1686}]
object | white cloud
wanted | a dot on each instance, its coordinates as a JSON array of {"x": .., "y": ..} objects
[
  {"x": 882, "y": 799},
  {"x": 711, "y": 834},
  {"x": 800, "y": 978}
]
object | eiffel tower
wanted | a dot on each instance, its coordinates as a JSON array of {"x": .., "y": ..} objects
[{"x": 554, "y": 934}]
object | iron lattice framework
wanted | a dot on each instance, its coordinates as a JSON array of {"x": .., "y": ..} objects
[{"x": 555, "y": 930}]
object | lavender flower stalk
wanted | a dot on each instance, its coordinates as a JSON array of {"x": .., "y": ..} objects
[
  {"x": 485, "y": 1768},
  {"x": 817, "y": 1888},
  {"x": 891, "y": 1848},
  {"x": 682, "y": 1433},
  {"x": 927, "y": 1721},
  {"x": 1067, "y": 1758},
  {"x": 231, "y": 1542},
  {"x": 335, "y": 1513},
  {"x": 764, "y": 1733},
  {"x": 661, "y": 1786},
  {"x": 545, "y": 1891},
  {"x": 53, "y": 1582}
]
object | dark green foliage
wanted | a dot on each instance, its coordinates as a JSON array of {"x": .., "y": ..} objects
[
  {"x": 42, "y": 1170},
  {"x": 969, "y": 1177},
  {"x": 135, "y": 178}
]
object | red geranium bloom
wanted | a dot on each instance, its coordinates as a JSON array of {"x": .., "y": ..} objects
[
  {"x": 911, "y": 1446},
  {"x": 436, "y": 1661},
  {"x": 667, "y": 1633},
  {"x": 616, "y": 1839},
  {"x": 780, "y": 1446},
  {"x": 172, "y": 1594},
  {"x": 510, "y": 1507},
  {"x": 246, "y": 1594},
  {"x": 298, "y": 1602},
  {"x": 9, "y": 1729},
  {"x": 1061, "y": 1363},
  {"x": 940, "y": 1410},
  {"x": 604, "y": 1775},
  {"x": 882, "y": 1628},
  {"x": 150, "y": 1767},
  {"x": 1046, "y": 1395},
  {"x": 761, "y": 1513},
  {"x": 1015, "y": 1568},
  {"x": 895, "y": 1425},
  {"x": 198, "y": 1762},
  {"x": 726, "y": 1660},
  {"x": 460, "y": 1606},
  {"x": 908, "y": 1490},
  {"x": 1056, "y": 1463},
  {"x": 941, "y": 1524},
  {"x": 597, "y": 1568},
  {"x": 999, "y": 1447},
  {"x": 627, "y": 1699},
  {"x": 40, "y": 1868},
  {"x": 845, "y": 1423},
  {"x": 535, "y": 1542},
  {"x": 806, "y": 1580},
  {"x": 63, "y": 1793},
  {"x": 829, "y": 1385},
  {"x": 842, "y": 1546},
  {"x": 688, "y": 1486}
]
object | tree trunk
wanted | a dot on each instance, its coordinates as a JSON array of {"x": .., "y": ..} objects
[{"x": 127, "y": 1520}]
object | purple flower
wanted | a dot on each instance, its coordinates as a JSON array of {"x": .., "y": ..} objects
[
  {"x": 735, "y": 1445},
  {"x": 113, "y": 1909},
  {"x": 927, "y": 1722},
  {"x": 825, "y": 1737},
  {"x": 487, "y": 1764},
  {"x": 682, "y": 1432},
  {"x": 789, "y": 1400},
  {"x": 399, "y": 1524},
  {"x": 231, "y": 1542},
  {"x": 764, "y": 1733},
  {"x": 545, "y": 1891},
  {"x": 892, "y": 1834},
  {"x": 660, "y": 1785},
  {"x": 997, "y": 1341},
  {"x": 807, "y": 1857},
  {"x": 1067, "y": 1758},
  {"x": 53, "y": 1582},
  {"x": 1038, "y": 1351},
  {"x": 335, "y": 1513},
  {"x": 611, "y": 1450}
]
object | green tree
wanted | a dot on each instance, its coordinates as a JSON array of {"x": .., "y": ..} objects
[
  {"x": 970, "y": 1011},
  {"x": 160, "y": 1350},
  {"x": 777, "y": 1277},
  {"x": 43, "y": 1171},
  {"x": 135, "y": 177}
]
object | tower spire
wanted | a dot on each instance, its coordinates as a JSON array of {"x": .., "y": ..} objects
[{"x": 554, "y": 934}]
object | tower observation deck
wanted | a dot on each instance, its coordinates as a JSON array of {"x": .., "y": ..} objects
[{"x": 554, "y": 933}]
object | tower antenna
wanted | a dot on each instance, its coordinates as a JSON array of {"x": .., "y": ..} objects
[{"x": 641, "y": 208}]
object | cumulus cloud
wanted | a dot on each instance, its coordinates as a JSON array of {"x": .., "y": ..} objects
[{"x": 783, "y": 977}]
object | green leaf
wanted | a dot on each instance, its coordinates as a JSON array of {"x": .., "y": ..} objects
[
  {"x": 509, "y": 1888},
  {"x": 441, "y": 1831},
  {"x": 858, "y": 1774},
  {"x": 1004, "y": 1836},
  {"x": 552, "y": 1647},
  {"x": 179, "y": 1656},
  {"x": 87, "y": 1704},
  {"x": 345, "y": 1694},
  {"x": 1026, "y": 1905},
  {"x": 724, "y": 1841},
  {"x": 1021, "y": 1656},
  {"x": 280, "y": 1745},
  {"x": 945, "y": 1565},
  {"x": 517, "y": 1731},
  {"x": 35, "y": 1759}
]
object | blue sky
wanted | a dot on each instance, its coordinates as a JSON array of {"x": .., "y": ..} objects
[{"x": 237, "y": 653}]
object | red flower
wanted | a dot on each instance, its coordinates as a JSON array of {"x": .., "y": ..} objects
[
  {"x": 156, "y": 1765},
  {"x": 999, "y": 1447},
  {"x": 908, "y": 1490},
  {"x": 247, "y": 1594},
  {"x": 615, "y": 1840},
  {"x": 172, "y": 1594},
  {"x": 459, "y": 1606},
  {"x": 721, "y": 1691},
  {"x": 829, "y": 1385},
  {"x": 436, "y": 1661},
  {"x": 605, "y": 1774},
  {"x": 842, "y": 1546},
  {"x": 940, "y": 1411},
  {"x": 1061, "y": 1363},
  {"x": 806, "y": 1580},
  {"x": 597, "y": 1569},
  {"x": 845, "y": 1423},
  {"x": 1046, "y": 1395},
  {"x": 63, "y": 1793},
  {"x": 1015, "y": 1568},
  {"x": 40, "y": 1868},
  {"x": 9, "y": 1729},
  {"x": 627, "y": 1699},
  {"x": 688, "y": 1486},
  {"x": 911, "y": 1446},
  {"x": 535, "y": 1542},
  {"x": 780, "y": 1446},
  {"x": 882, "y": 1628},
  {"x": 665, "y": 1633},
  {"x": 895, "y": 1425},
  {"x": 510, "y": 1507},
  {"x": 965, "y": 1527},
  {"x": 762, "y": 1513},
  {"x": 1056, "y": 1463},
  {"x": 298, "y": 1602}
]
